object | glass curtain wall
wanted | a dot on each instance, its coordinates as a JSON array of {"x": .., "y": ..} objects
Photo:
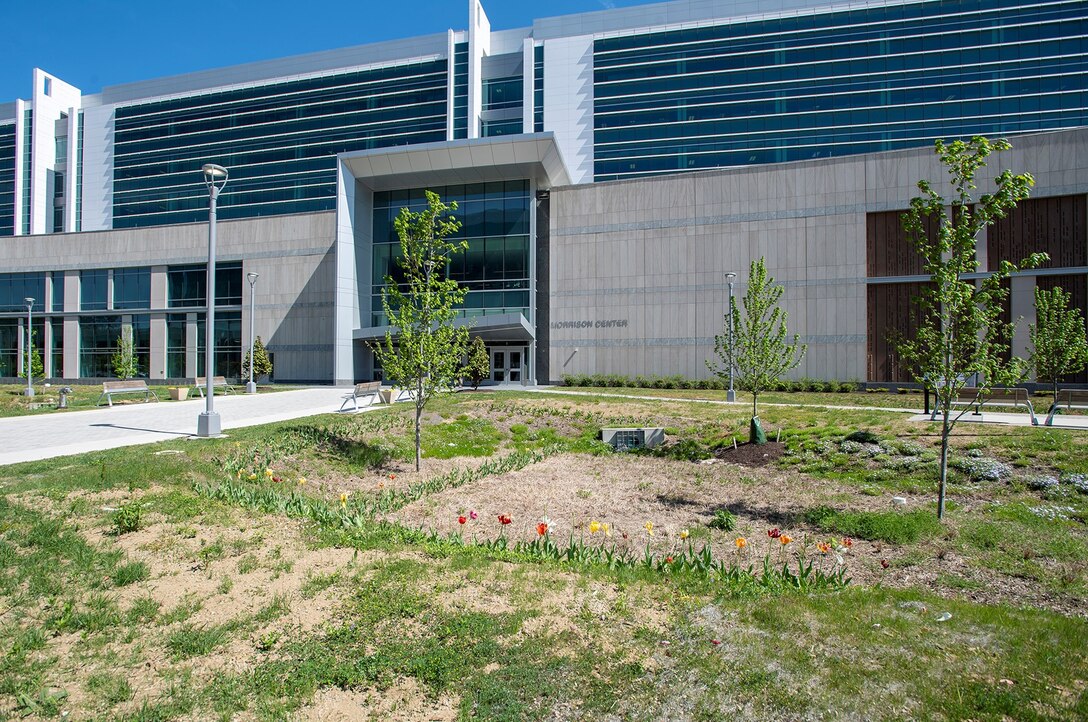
[
  {"x": 279, "y": 141},
  {"x": 495, "y": 222},
  {"x": 837, "y": 83}
]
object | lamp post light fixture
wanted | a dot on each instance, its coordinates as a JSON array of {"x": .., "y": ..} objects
[
  {"x": 209, "y": 424},
  {"x": 251, "y": 388},
  {"x": 730, "y": 395},
  {"x": 29, "y": 346}
]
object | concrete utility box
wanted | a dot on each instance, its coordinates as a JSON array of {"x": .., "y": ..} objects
[{"x": 646, "y": 438}]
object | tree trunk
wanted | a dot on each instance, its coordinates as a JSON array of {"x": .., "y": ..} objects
[
  {"x": 945, "y": 433},
  {"x": 419, "y": 420}
]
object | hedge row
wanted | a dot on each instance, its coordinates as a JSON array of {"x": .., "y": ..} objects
[{"x": 680, "y": 382}]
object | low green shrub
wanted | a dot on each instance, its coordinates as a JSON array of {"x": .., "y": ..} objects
[
  {"x": 723, "y": 520},
  {"x": 127, "y": 518},
  {"x": 889, "y": 526},
  {"x": 863, "y": 437}
]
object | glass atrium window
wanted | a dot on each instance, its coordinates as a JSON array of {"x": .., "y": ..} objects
[
  {"x": 131, "y": 288},
  {"x": 93, "y": 290}
]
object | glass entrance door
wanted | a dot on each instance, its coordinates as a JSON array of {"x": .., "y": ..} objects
[{"x": 506, "y": 365}]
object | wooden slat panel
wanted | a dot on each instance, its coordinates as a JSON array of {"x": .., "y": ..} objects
[
  {"x": 1057, "y": 226},
  {"x": 891, "y": 309},
  {"x": 889, "y": 250}
]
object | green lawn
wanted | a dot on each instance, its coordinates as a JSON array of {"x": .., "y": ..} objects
[
  {"x": 13, "y": 401},
  {"x": 138, "y": 584}
]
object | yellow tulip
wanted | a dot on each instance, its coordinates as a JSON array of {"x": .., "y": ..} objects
[
  {"x": 594, "y": 527},
  {"x": 301, "y": 480},
  {"x": 684, "y": 533},
  {"x": 649, "y": 528},
  {"x": 606, "y": 529}
]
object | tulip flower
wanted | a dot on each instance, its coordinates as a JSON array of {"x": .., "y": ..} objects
[
  {"x": 472, "y": 515},
  {"x": 594, "y": 527},
  {"x": 302, "y": 481},
  {"x": 785, "y": 539},
  {"x": 461, "y": 519},
  {"x": 774, "y": 533},
  {"x": 823, "y": 547},
  {"x": 847, "y": 542},
  {"x": 606, "y": 529},
  {"x": 541, "y": 529},
  {"x": 741, "y": 542},
  {"x": 504, "y": 519},
  {"x": 649, "y": 528},
  {"x": 343, "y": 499},
  {"x": 884, "y": 564},
  {"x": 684, "y": 533}
]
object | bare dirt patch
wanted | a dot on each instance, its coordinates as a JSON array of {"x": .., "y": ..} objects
[
  {"x": 404, "y": 700},
  {"x": 752, "y": 454}
]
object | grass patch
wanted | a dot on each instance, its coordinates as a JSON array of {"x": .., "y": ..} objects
[
  {"x": 193, "y": 641},
  {"x": 131, "y": 573},
  {"x": 888, "y": 526}
]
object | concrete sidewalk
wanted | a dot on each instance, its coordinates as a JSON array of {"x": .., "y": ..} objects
[
  {"x": 30, "y": 438},
  {"x": 1022, "y": 419}
]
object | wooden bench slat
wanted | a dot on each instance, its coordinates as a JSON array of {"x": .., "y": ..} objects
[
  {"x": 1067, "y": 398},
  {"x": 365, "y": 389},
  {"x": 125, "y": 386},
  {"x": 969, "y": 396}
]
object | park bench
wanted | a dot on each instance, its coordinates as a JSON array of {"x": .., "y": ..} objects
[
  {"x": 218, "y": 382},
  {"x": 969, "y": 396},
  {"x": 1067, "y": 399},
  {"x": 368, "y": 389},
  {"x": 129, "y": 386}
]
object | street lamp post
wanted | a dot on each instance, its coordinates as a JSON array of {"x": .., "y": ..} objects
[
  {"x": 29, "y": 346},
  {"x": 730, "y": 395},
  {"x": 208, "y": 424},
  {"x": 251, "y": 388}
]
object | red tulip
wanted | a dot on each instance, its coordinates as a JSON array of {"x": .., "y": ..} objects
[
  {"x": 541, "y": 528},
  {"x": 504, "y": 519},
  {"x": 884, "y": 563},
  {"x": 461, "y": 520},
  {"x": 668, "y": 560},
  {"x": 774, "y": 533}
]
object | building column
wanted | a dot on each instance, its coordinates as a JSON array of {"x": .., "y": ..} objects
[
  {"x": 1022, "y": 303},
  {"x": 71, "y": 325},
  {"x": 191, "y": 339},
  {"x": 157, "y": 362}
]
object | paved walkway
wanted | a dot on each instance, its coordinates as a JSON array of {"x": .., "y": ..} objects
[{"x": 30, "y": 438}]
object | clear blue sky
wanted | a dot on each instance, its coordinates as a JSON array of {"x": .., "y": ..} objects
[{"x": 96, "y": 43}]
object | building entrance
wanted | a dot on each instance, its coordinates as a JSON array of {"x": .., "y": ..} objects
[{"x": 507, "y": 364}]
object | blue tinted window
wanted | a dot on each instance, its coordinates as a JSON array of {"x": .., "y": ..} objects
[
  {"x": 495, "y": 224},
  {"x": 7, "y": 179},
  {"x": 94, "y": 290},
  {"x": 278, "y": 141},
  {"x": 865, "y": 80}
]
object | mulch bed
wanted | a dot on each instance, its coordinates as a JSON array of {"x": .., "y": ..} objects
[{"x": 752, "y": 454}]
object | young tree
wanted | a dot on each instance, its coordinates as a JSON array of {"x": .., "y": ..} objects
[
  {"x": 124, "y": 361},
  {"x": 479, "y": 362},
  {"x": 37, "y": 368},
  {"x": 961, "y": 335},
  {"x": 262, "y": 365},
  {"x": 755, "y": 345},
  {"x": 425, "y": 353},
  {"x": 1059, "y": 345}
]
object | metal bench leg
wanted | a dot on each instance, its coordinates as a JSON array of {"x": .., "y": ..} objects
[{"x": 1051, "y": 414}]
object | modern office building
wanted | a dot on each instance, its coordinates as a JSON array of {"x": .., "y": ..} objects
[{"x": 609, "y": 169}]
